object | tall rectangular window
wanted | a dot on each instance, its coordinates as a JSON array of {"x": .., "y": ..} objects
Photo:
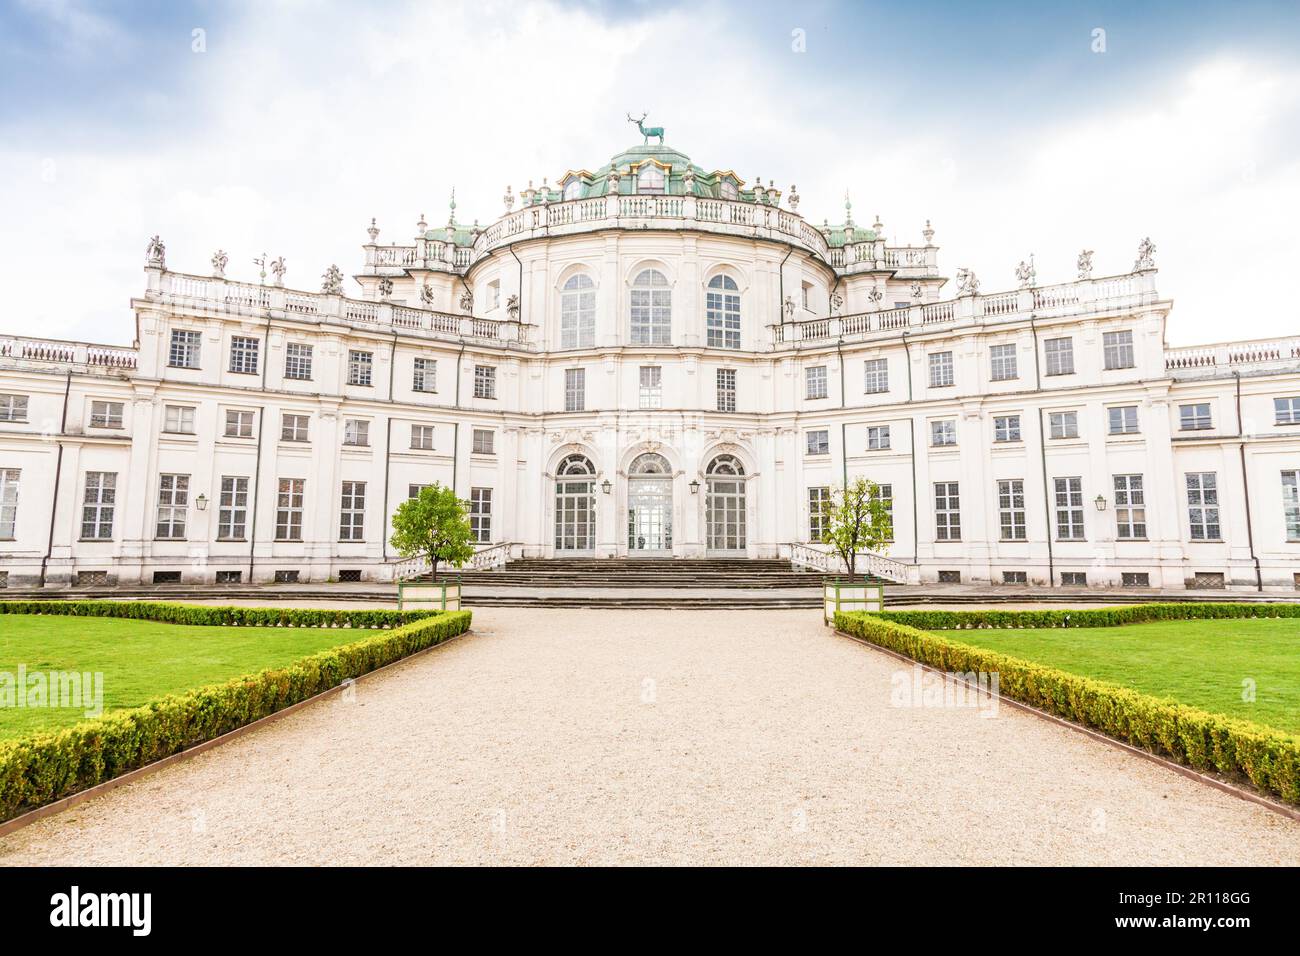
[
  {"x": 1117, "y": 349},
  {"x": 726, "y": 389},
  {"x": 424, "y": 378},
  {"x": 297, "y": 361},
  {"x": 356, "y": 432},
  {"x": 1291, "y": 504},
  {"x": 1069, "y": 509},
  {"x": 288, "y": 509},
  {"x": 294, "y": 427},
  {"x": 1287, "y": 410},
  {"x": 1059, "y": 355},
  {"x": 819, "y": 501},
  {"x": 947, "y": 511},
  {"x": 8, "y": 502},
  {"x": 885, "y": 495},
  {"x": 485, "y": 381},
  {"x": 1006, "y": 428},
  {"x": 876, "y": 376},
  {"x": 941, "y": 373},
  {"x": 173, "y": 505},
  {"x": 819, "y": 442},
  {"x": 1063, "y": 424},
  {"x": 1203, "y": 505},
  {"x": 484, "y": 441},
  {"x": 943, "y": 432},
  {"x": 232, "y": 509},
  {"x": 98, "y": 505},
  {"x": 1130, "y": 508},
  {"x": 1003, "y": 361},
  {"x": 106, "y": 414},
  {"x": 13, "y": 408},
  {"x": 651, "y": 393},
  {"x": 361, "y": 367},
  {"x": 815, "y": 382},
  {"x": 239, "y": 423},
  {"x": 1194, "y": 417},
  {"x": 244, "y": 354},
  {"x": 1122, "y": 419},
  {"x": 1011, "y": 509},
  {"x": 877, "y": 437},
  {"x": 575, "y": 389},
  {"x": 184, "y": 350},
  {"x": 178, "y": 419},
  {"x": 352, "y": 511},
  {"x": 480, "y": 514},
  {"x": 422, "y": 437},
  {"x": 722, "y": 313}
]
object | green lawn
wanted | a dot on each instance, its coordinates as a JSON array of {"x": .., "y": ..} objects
[
  {"x": 1201, "y": 663},
  {"x": 141, "y": 660}
]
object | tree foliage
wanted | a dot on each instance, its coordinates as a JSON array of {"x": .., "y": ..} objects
[
  {"x": 434, "y": 524},
  {"x": 856, "y": 519}
]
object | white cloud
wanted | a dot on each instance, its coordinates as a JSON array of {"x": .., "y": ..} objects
[{"x": 302, "y": 131}]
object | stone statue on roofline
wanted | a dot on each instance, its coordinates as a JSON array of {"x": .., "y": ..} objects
[
  {"x": 967, "y": 283},
  {"x": 1025, "y": 273},
  {"x": 333, "y": 281},
  {"x": 1146, "y": 255},
  {"x": 1084, "y": 264},
  {"x": 219, "y": 262},
  {"x": 155, "y": 254},
  {"x": 278, "y": 269}
]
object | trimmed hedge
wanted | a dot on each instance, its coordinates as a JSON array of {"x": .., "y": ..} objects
[
  {"x": 219, "y": 616},
  {"x": 1269, "y": 759},
  {"x": 1087, "y": 617},
  {"x": 46, "y": 767}
]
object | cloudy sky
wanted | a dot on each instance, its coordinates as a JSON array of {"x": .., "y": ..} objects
[{"x": 1015, "y": 128}]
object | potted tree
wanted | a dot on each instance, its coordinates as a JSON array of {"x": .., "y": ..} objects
[
  {"x": 855, "y": 520},
  {"x": 433, "y": 525}
]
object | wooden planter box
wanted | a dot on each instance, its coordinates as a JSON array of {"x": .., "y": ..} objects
[
  {"x": 428, "y": 596},
  {"x": 848, "y": 596}
]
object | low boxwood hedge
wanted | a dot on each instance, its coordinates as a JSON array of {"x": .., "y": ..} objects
[
  {"x": 46, "y": 767},
  {"x": 218, "y": 616},
  {"x": 1269, "y": 759},
  {"x": 1087, "y": 617}
]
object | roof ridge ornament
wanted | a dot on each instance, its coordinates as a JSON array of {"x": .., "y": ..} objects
[{"x": 647, "y": 131}]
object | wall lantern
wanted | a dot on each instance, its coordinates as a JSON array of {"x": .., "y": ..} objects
[
  {"x": 605, "y": 486},
  {"x": 1100, "y": 502},
  {"x": 201, "y": 502},
  {"x": 695, "y": 487}
]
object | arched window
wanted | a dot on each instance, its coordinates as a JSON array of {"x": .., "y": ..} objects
[
  {"x": 573, "y": 189},
  {"x": 722, "y": 313},
  {"x": 650, "y": 464},
  {"x": 652, "y": 309},
  {"x": 728, "y": 190},
  {"x": 575, "y": 505},
  {"x": 650, "y": 179},
  {"x": 578, "y": 313},
  {"x": 724, "y": 504}
]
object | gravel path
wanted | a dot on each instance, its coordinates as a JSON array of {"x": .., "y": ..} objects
[{"x": 581, "y": 736}]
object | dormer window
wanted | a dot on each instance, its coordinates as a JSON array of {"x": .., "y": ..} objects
[
  {"x": 728, "y": 190},
  {"x": 573, "y": 189},
  {"x": 650, "y": 179}
]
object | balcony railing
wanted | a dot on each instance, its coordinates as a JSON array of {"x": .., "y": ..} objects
[
  {"x": 1082, "y": 297},
  {"x": 1230, "y": 354},
  {"x": 90, "y": 357},
  {"x": 224, "y": 295}
]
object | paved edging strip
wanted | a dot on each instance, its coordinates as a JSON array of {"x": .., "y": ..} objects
[
  {"x": 68, "y": 802},
  {"x": 1239, "y": 792}
]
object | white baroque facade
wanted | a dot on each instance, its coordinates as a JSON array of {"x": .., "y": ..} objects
[{"x": 651, "y": 360}]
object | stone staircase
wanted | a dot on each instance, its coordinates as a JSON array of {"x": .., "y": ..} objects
[{"x": 642, "y": 582}]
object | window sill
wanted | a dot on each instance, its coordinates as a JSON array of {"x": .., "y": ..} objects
[
  {"x": 235, "y": 371},
  {"x": 192, "y": 368},
  {"x": 1119, "y": 540},
  {"x": 232, "y": 541},
  {"x": 94, "y": 540},
  {"x": 168, "y": 434}
]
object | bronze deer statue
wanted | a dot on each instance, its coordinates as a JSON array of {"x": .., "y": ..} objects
[{"x": 647, "y": 131}]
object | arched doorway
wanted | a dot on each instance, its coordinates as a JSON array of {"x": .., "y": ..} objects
[
  {"x": 724, "y": 506},
  {"x": 650, "y": 506},
  {"x": 575, "y": 506}
]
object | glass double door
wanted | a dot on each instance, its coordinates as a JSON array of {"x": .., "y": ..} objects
[
  {"x": 650, "y": 516},
  {"x": 724, "y": 515}
]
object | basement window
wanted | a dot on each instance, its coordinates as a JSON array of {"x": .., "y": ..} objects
[
  {"x": 166, "y": 577},
  {"x": 1212, "y": 580},
  {"x": 91, "y": 578},
  {"x": 1078, "y": 579},
  {"x": 1135, "y": 579},
  {"x": 1015, "y": 577},
  {"x": 352, "y": 575},
  {"x": 286, "y": 577},
  {"x": 950, "y": 577},
  {"x": 230, "y": 577}
]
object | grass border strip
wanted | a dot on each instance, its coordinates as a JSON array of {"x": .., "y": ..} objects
[
  {"x": 81, "y": 796},
  {"x": 203, "y": 615},
  {"x": 1241, "y": 793},
  {"x": 947, "y": 620}
]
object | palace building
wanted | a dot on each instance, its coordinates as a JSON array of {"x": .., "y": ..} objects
[{"x": 651, "y": 359}]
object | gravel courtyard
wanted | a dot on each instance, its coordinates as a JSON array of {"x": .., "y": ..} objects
[{"x": 580, "y": 736}]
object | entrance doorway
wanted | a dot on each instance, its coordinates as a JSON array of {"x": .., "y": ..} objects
[
  {"x": 724, "y": 506},
  {"x": 650, "y": 507}
]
